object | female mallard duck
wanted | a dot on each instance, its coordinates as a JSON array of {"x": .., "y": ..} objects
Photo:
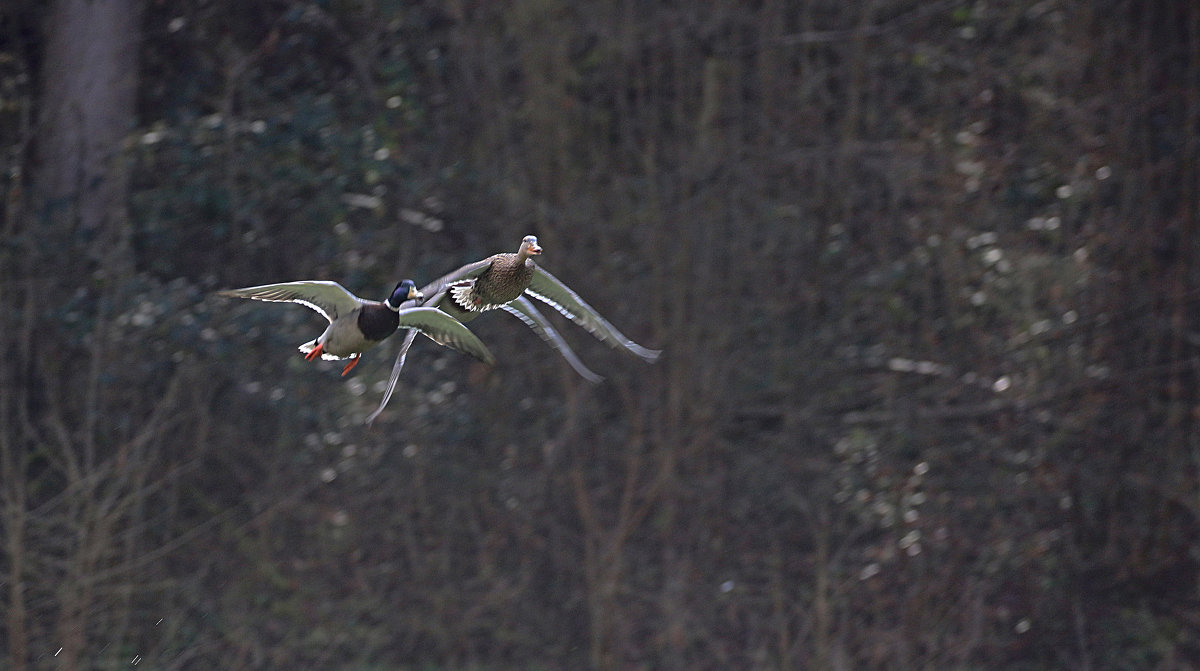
[
  {"x": 356, "y": 325},
  {"x": 507, "y": 281},
  {"x": 488, "y": 284}
]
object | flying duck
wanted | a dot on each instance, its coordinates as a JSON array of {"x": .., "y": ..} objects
[
  {"x": 507, "y": 281},
  {"x": 356, "y": 325}
]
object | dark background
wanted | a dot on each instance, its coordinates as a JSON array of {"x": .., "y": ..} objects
[{"x": 925, "y": 275}]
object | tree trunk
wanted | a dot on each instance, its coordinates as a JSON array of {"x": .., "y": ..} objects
[
  {"x": 76, "y": 212},
  {"x": 89, "y": 89}
]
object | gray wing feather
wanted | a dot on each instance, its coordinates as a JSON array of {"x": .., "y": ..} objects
[
  {"x": 551, "y": 291},
  {"x": 330, "y": 299},
  {"x": 464, "y": 273},
  {"x": 396, "y": 368},
  {"x": 523, "y": 309},
  {"x": 442, "y": 329},
  {"x": 445, "y": 330}
]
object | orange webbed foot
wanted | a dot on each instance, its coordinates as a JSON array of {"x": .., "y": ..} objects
[
  {"x": 352, "y": 364},
  {"x": 316, "y": 352}
]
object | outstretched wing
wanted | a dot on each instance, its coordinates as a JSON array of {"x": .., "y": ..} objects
[
  {"x": 330, "y": 299},
  {"x": 548, "y": 289},
  {"x": 396, "y": 368},
  {"x": 445, "y": 330},
  {"x": 466, "y": 272},
  {"x": 523, "y": 309}
]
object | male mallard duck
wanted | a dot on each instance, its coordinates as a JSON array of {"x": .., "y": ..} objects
[
  {"x": 356, "y": 325},
  {"x": 507, "y": 281}
]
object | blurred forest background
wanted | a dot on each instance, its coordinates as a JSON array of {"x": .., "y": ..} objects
[{"x": 925, "y": 274}]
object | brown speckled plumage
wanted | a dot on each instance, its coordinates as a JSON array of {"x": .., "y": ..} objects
[{"x": 503, "y": 279}]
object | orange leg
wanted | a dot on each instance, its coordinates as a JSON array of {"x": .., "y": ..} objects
[
  {"x": 316, "y": 352},
  {"x": 352, "y": 364}
]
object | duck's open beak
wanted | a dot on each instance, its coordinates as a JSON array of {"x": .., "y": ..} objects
[{"x": 534, "y": 249}]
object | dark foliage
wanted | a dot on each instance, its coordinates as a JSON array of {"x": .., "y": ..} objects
[{"x": 925, "y": 274}]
